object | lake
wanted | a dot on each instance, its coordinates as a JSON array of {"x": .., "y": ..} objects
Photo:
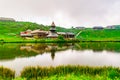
[{"x": 18, "y": 56}]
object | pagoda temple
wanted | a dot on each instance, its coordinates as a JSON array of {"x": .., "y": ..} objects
[{"x": 52, "y": 31}]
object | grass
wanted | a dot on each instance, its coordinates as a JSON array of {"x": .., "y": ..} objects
[
  {"x": 60, "y": 72},
  {"x": 45, "y": 40},
  {"x": 71, "y": 76},
  {"x": 63, "y": 73},
  {"x": 99, "y": 35},
  {"x": 6, "y": 74}
]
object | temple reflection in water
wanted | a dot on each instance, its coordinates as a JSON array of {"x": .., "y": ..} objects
[{"x": 44, "y": 48}]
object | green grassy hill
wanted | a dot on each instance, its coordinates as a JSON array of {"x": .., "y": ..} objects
[
  {"x": 11, "y": 30},
  {"x": 7, "y": 28},
  {"x": 99, "y": 35},
  {"x": 17, "y": 27}
]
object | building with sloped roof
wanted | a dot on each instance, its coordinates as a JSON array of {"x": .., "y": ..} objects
[
  {"x": 46, "y": 34},
  {"x": 66, "y": 34},
  {"x": 39, "y": 33}
]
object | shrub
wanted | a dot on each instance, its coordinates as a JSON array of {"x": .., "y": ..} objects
[{"x": 60, "y": 37}]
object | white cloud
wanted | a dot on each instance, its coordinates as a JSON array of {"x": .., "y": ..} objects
[{"x": 65, "y": 13}]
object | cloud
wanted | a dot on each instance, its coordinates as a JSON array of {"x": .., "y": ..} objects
[{"x": 65, "y": 13}]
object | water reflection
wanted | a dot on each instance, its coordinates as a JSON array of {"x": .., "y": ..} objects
[
  {"x": 43, "y": 48},
  {"x": 17, "y": 56},
  {"x": 11, "y": 51},
  {"x": 99, "y": 46},
  {"x": 53, "y": 49}
]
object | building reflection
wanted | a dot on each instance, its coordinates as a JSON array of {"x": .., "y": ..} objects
[
  {"x": 53, "y": 50},
  {"x": 46, "y": 48}
]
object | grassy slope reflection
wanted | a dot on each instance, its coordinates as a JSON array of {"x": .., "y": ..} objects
[
  {"x": 99, "y": 46},
  {"x": 11, "y": 51}
]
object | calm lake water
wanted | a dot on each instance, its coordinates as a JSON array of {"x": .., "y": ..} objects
[{"x": 18, "y": 56}]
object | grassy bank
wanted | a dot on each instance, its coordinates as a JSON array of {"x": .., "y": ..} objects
[
  {"x": 72, "y": 76},
  {"x": 63, "y": 73},
  {"x": 73, "y": 72},
  {"x": 44, "y": 40}
]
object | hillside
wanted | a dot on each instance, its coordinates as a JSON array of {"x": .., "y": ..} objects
[
  {"x": 11, "y": 30},
  {"x": 99, "y": 35},
  {"x": 17, "y": 27}
]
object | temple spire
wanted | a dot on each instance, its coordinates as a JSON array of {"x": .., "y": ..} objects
[
  {"x": 52, "y": 32},
  {"x": 53, "y": 24}
]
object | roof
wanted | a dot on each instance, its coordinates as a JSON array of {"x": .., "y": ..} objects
[
  {"x": 63, "y": 33},
  {"x": 70, "y": 33},
  {"x": 52, "y": 28},
  {"x": 29, "y": 30},
  {"x": 53, "y": 24},
  {"x": 52, "y": 35},
  {"x": 39, "y": 31},
  {"x": 80, "y": 27},
  {"x": 110, "y": 27},
  {"x": 26, "y": 35},
  {"x": 98, "y": 27}
]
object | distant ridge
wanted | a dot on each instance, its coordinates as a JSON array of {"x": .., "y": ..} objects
[{"x": 7, "y": 19}]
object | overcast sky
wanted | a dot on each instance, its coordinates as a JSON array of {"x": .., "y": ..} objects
[{"x": 64, "y": 13}]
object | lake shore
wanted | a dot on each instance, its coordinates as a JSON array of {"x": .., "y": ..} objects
[
  {"x": 45, "y": 40},
  {"x": 40, "y": 41},
  {"x": 56, "y": 41}
]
